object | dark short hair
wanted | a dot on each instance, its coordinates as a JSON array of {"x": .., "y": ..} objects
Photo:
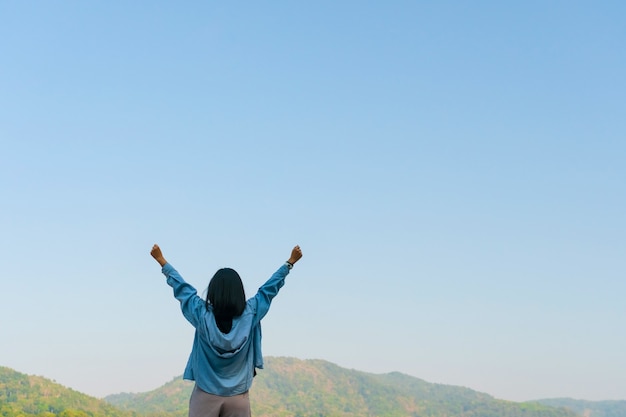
[{"x": 227, "y": 297}]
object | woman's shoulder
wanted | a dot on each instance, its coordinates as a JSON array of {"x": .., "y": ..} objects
[{"x": 251, "y": 304}]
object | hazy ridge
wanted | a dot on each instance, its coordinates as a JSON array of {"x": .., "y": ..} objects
[{"x": 293, "y": 387}]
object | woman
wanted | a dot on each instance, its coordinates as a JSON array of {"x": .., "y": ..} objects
[{"x": 227, "y": 343}]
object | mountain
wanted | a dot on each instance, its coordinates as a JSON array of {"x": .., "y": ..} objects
[
  {"x": 589, "y": 408},
  {"x": 26, "y": 396},
  {"x": 172, "y": 400},
  {"x": 301, "y": 388},
  {"x": 293, "y": 387}
]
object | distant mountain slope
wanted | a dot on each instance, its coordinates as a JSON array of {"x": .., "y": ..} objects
[
  {"x": 25, "y": 396},
  {"x": 293, "y": 387},
  {"x": 589, "y": 408},
  {"x": 171, "y": 399},
  {"x": 301, "y": 388}
]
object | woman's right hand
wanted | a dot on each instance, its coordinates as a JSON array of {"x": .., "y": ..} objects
[{"x": 296, "y": 254}]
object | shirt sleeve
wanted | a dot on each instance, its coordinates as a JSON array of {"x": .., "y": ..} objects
[
  {"x": 269, "y": 290},
  {"x": 192, "y": 306}
]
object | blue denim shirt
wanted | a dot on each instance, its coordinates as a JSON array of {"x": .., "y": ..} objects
[{"x": 223, "y": 364}]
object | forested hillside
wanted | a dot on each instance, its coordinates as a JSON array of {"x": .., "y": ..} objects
[
  {"x": 589, "y": 408},
  {"x": 293, "y": 387},
  {"x": 26, "y": 396}
]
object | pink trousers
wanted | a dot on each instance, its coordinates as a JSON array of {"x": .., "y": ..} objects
[{"x": 203, "y": 404}]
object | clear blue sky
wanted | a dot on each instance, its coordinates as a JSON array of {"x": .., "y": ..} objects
[{"x": 453, "y": 172}]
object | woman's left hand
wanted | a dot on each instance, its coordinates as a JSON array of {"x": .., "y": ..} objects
[{"x": 158, "y": 255}]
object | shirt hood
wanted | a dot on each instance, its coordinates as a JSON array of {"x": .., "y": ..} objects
[{"x": 227, "y": 345}]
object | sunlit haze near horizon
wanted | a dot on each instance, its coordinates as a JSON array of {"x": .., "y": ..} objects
[{"x": 454, "y": 173}]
